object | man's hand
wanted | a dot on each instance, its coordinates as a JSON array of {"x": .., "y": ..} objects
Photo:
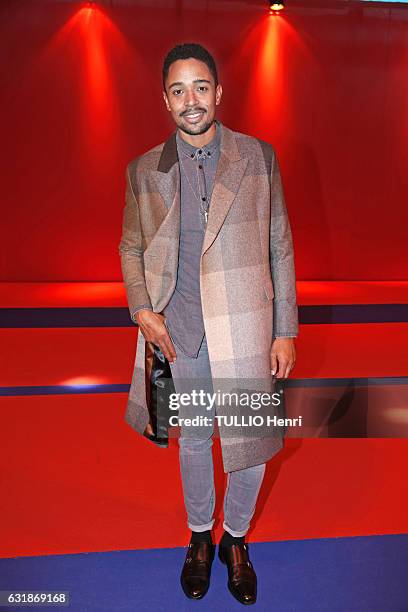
[
  {"x": 283, "y": 357},
  {"x": 154, "y": 330}
]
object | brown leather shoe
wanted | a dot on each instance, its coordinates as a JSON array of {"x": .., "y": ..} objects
[
  {"x": 195, "y": 575},
  {"x": 242, "y": 580}
]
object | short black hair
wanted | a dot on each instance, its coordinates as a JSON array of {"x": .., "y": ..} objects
[{"x": 185, "y": 51}]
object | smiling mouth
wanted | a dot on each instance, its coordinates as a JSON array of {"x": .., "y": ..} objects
[{"x": 192, "y": 117}]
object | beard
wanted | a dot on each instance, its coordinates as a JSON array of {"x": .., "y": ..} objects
[{"x": 194, "y": 130}]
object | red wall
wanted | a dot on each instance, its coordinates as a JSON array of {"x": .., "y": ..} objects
[{"x": 325, "y": 83}]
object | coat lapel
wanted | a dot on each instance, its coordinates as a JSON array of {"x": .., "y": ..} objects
[
  {"x": 167, "y": 175},
  {"x": 230, "y": 170},
  {"x": 166, "y": 183}
]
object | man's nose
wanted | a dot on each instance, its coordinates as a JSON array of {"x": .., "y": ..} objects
[{"x": 190, "y": 99}]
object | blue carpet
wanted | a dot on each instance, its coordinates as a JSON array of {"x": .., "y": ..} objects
[
  {"x": 364, "y": 574},
  {"x": 124, "y": 388},
  {"x": 118, "y": 316}
]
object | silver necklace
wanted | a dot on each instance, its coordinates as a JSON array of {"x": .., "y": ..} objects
[{"x": 203, "y": 210}]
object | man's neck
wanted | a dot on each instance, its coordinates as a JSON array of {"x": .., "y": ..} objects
[{"x": 199, "y": 140}]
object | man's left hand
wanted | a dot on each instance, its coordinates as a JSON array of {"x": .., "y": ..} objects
[{"x": 283, "y": 357}]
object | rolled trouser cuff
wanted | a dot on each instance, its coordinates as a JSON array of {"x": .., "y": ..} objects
[
  {"x": 235, "y": 534},
  {"x": 200, "y": 528}
]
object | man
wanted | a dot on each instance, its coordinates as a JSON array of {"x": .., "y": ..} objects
[{"x": 208, "y": 265}]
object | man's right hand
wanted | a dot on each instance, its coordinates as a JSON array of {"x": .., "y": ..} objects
[{"x": 154, "y": 330}]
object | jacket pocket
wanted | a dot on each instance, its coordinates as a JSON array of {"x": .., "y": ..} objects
[
  {"x": 268, "y": 288},
  {"x": 167, "y": 327}
]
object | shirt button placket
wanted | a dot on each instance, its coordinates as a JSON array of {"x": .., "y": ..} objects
[{"x": 203, "y": 191}]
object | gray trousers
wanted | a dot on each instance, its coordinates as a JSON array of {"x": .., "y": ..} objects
[{"x": 196, "y": 461}]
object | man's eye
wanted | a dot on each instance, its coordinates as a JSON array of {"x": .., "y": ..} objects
[
  {"x": 175, "y": 91},
  {"x": 204, "y": 87}
]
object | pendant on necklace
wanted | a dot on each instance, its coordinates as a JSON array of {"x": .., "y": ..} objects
[{"x": 206, "y": 216}]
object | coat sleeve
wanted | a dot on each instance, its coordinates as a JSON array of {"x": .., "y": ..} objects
[
  {"x": 285, "y": 310},
  {"x": 131, "y": 253}
]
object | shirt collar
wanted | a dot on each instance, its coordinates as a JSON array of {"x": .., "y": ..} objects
[{"x": 207, "y": 150}]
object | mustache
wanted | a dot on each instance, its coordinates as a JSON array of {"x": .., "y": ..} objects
[{"x": 191, "y": 111}]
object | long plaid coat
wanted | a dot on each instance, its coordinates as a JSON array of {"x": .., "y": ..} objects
[{"x": 247, "y": 270}]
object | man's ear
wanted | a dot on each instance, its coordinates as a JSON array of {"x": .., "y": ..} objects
[
  {"x": 218, "y": 94},
  {"x": 166, "y": 100}
]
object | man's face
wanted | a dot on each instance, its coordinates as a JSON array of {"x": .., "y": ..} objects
[{"x": 191, "y": 95}]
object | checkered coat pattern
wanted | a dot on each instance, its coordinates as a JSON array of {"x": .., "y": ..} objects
[{"x": 247, "y": 272}]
